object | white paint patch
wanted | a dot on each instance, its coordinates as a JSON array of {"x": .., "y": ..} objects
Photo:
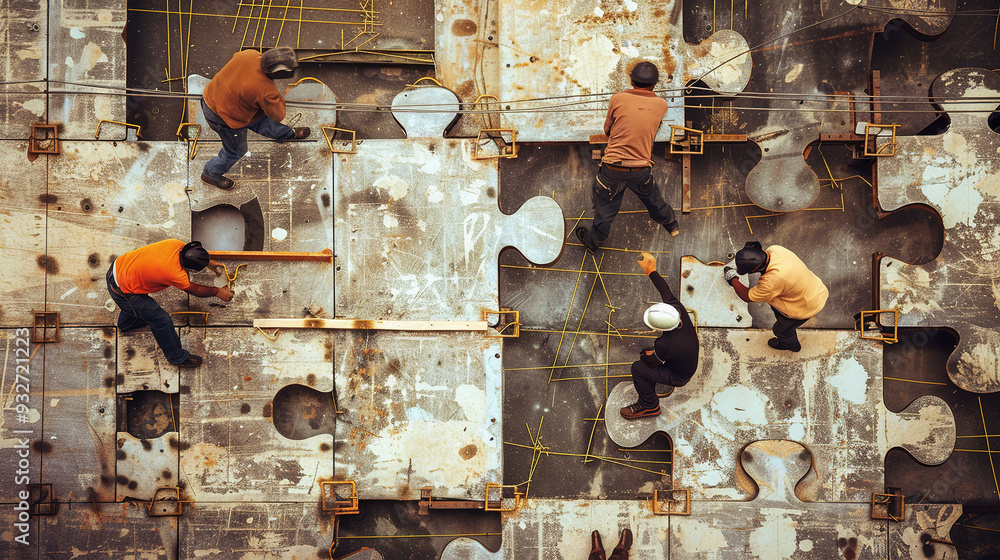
[
  {"x": 805, "y": 545},
  {"x": 68, "y": 292},
  {"x": 415, "y": 413},
  {"x": 797, "y": 427},
  {"x": 775, "y": 538},
  {"x": 592, "y": 62},
  {"x": 393, "y": 185},
  {"x": 471, "y": 191},
  {"x": 794, "y": 73},
  {"x": 472, "y": 399},
  {"x": 76, "y": 33},
  {"x": 698, "y": 536},
  {"x": 69, "y": 61},
  {"x": 389, "y": 221},
  {"x": 630, "y": 5},
  {"x": 741, "y": 404},
  {"x": 598, "y": 11},
  {"x": 851, "y": 381},
  {"x": 54, "y": 403},
  {"x": 36, "y": 106},
  {"x": 434, "y": 194},
  {"x": 279, "y": 234}
]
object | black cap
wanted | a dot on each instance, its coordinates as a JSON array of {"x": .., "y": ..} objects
[
  {"x": 750, "y": 257},
  {"x": 645, "y": 74},
  {"x": 194, "y": 256},
  {"x": 279, "y": 63}
]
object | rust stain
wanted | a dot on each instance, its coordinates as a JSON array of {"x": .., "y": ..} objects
[
  {"x": 313, "y": 323},
  {"x": 468, "y": 452},
  {"x": 464, "y": 28},
  {"x": 363, "y": 324},
  {"x": 48, "y": 264}
]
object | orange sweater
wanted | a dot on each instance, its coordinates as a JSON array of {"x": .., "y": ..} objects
[
  {"x": 633, "y": 118},
  {"x": 152, "y": 268},
  {"x": 241, "y": 93}
]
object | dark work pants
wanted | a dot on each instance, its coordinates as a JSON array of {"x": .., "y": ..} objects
[
  {"x": 139, "y": 310},
  {"x": 784, "y": 330},
  {"x": 646, "y": 377},
  {"x": 608, "y": 191},
  {"x": 234, "y": 140}
]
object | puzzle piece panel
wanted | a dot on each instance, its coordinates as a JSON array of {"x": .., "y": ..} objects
[
  {"x": 776, "y": 524},
  {"x": 828, "y": 397},
  {"x": 230, "y": 449},
  {"x": 560, "y": 529},
  {"x": 78, "y": 416},
  {"x": 464, "y": 548},
  {"x": 20, "y": 424},
  {"x": 87, "y": 47},
  {"x": 142, "y": 365},
  {"x": 259, "y": 530},
  {"x": 24, "y": 57},
  {"x": 283, "y": 192},
  {"x": 100, "y": 530},
  {"x": 920, "y": 533},
  {"x": 420, "y": 231},
  {"x": 465, "y": 48},
  {"x": 145, "y": 465},
  {"x": 105, "y": 199},
  {"x": 409, "y": 108},
  {"x": 419, "y": 410},
  {"x": 704, "y": 291},
  {"x": 22, "y": 217},
  {"x": 958, "y": 174}
]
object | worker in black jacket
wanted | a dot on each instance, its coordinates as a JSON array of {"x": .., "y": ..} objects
[{"x": 673, "y": 358}]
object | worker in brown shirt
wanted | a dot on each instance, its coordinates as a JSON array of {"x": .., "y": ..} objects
[
  {"x": 241, "y": 96},
  {"x": 633, "y": 118}
]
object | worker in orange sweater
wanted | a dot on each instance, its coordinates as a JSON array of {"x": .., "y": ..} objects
[
  {"x": 633, "y": 118},
  {"x": 241, "y": 96},
  {"x": 136, "y": 274}
]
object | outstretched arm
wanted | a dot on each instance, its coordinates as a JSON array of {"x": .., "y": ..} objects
[
  {"x": 223, "y": 293},
  {"x": 733, "y": 279},
  {"x": 648, "y": 264}
]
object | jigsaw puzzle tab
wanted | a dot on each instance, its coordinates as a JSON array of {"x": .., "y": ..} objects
[
  {"x": 958, "y": 175},
  {"x": 827, "y": 397},
  {"x": 705, "y": 293},
  {"x": 465, "y": 548}
]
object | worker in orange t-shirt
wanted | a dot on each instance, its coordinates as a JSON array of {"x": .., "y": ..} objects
[
  {"x": 241, "y": 96},
  {"x": 633, "y": 118},
  {"x": 136, "y": 274}
]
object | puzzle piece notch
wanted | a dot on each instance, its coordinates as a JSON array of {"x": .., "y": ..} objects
[
  {"x": 705, "y": 292},
  {"x": 432, "y": 111},
  {"x": 833, "y": 385},
  {"x": 465, "y": 548}
]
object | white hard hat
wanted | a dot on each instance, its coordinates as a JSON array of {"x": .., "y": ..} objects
[{"x": 662, "y": 317}]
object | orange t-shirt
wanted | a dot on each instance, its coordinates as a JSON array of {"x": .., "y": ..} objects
[
  {"x": 152, "y": 268},
  {"x": 241, "y": 93},
  {"x": 633, "y": 118},
  {"x": 789, "y": 285}
]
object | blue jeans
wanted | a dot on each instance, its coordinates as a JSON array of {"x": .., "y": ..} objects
[
  {"x": 609, "y": 189},
  {"x": 234, "y": 140},
  {"x": 139, "y": 310}
]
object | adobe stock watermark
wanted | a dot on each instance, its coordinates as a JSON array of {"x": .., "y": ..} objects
[{"x": 22, "y": 437}]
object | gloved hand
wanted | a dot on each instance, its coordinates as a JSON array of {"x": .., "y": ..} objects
[
  {"x": 648, "y": 263},
  {"x": 728, "y": 273}
]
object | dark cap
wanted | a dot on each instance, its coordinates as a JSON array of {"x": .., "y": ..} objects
[
  {"x": 750, "y": 257},
  {"x": 194, "y": 256},
  {"x": 645, "y": 74},
  {"x": 279, "y": 63}
]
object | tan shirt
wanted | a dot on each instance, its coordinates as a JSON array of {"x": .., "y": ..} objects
[
  {"x": 634, "y": 116},
  {"x": 241, "y": 93},
  {"x": 789, "y": 286}
]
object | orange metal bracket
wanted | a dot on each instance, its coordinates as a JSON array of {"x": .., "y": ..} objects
[
  {"x": 507, "y": 151},
  {"x": 888, "y": 506},
  {"x": 326, "y": 255},
  {"x": 333, "y": 502},
  {"x": 97, "y": 134},
  {"x": 495, "y": 499},
  {"x": 691, "y": 142},
  {"x": 885, "y": 150},
  {"x": 674, "y": 506},
  {"x": 506, "y": 312},
  {"x": 192, "y": 144},
  {"x": 329, "y": 140},
  {"x": 867, "y": 333}
]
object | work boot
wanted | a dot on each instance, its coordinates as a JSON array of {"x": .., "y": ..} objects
[
  {"x": 301, "y": 132},
  {"x": 581, "y": 234},
  {"x": 192, "y": 361},
  {"x": 224, "y": 183},
  {"x": 664, "y": 390},
  {"x": 596, "y": 547},
  {"x": 624, "y": 544},
  {"x": 636, "y": 410},
  {"x": 673, "y": 228},
  {"x": 778, "y": 345}
]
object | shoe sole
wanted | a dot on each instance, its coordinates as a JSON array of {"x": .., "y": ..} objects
[{"x": 639, "y": 415}]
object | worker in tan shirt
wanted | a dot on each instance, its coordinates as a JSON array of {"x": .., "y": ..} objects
[
  {"x": 633, "y": 118},
  {"x": 241, "y": 96},
  {"x": 793, "y": 291}
]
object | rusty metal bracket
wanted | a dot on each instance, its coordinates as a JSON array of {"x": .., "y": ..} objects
[
  {"x": 868, "y": 324},
  {"x": 329, "y": 140},
  {"x": 491, "y": 119},
  {"x": 166, "y": 502},
  {"x": 42, "y": 500},
  {"x": 495, "y": 499},
  {"x": 417, "y": 83},
  {"x": 45, "y": 327},
  {"x": 428, "y": 502},
  {"x": 505, "y": 149},
  {"x": 512, "y": 322},
  {"x": 205, "y": 313},
  {"x": 684, "y": 140},
  {"x": 44, "y": 139},
  {"x": 138, "y": 129},
  {"x": 192, "y": 144},
  {"x": 888, "y": 506},
  {"x": 872, "y": 132},
  {"x": 340, "y": 497},
  {"x": 674, "y": 505}
]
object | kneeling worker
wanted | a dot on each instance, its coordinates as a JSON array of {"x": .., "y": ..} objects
[
  {"x": 150, "y": 269},
  {"x": 673, "y": 358},
  {"x": 793, "y": 291}
]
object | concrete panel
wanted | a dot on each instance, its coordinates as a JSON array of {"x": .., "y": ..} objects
[
  {"x": 268, "y": 530},
  {"x": 20, "y": 412},
  {"x": 420, "y": 409},
  {"x": 24, "y": 58},
  {"x": 705, "y": 292},
  {"x": 100, "y": 531},
  {"x": 104, "y": 200},
  {"x": 22, "y": 217},
  {"x": 142, "y": 365},
  {"x": 923, "y": 533}
]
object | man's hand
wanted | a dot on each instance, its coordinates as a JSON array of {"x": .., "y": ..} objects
[
  {"x": 728, "y": 273},
  {"x": 216, "y": 267},
  {"x": 225, "y": 294},
  {"x": 648, "y": 263}
]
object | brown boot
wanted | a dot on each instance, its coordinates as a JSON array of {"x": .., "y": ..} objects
[
  {"x": 596, "y": 547},
  {"x": 301, "y": 132},
  {"x": 624, "y": 544}
]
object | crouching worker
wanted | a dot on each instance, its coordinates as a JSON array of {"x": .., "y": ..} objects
[
  {"x": 136, "y": 274},
  {"x": 673, "y": 358}
]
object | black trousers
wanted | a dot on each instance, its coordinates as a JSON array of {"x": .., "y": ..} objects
[
  {"x": 645, "y": 378},
  {"x": 784, "y": 330},
  {"x": 607, "y": 193}
]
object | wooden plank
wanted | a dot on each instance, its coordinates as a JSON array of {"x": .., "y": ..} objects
[
  {"x": 724, "y": 138},
  {"x": 686, "y": 184},
  {"x": 364, "y": 324},
  {"x": 324, "y": 256},
  {"x": 598, "y": 138}
]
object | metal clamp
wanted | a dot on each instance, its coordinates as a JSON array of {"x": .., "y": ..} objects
[
  {"x": 497, "y": 330},
  {"x": 166, "y": 502},
  {"x": 44, "y": 139},
  {"x": 329, "y": 140},
  {"x": 505, "y": 149},
  {"x": 45, "y": 327},
  {"x": 192, "y": 144},
  {"x": 868, "y": 324},
  {"x": 674, "y": 506},
  {"x": 340, "y": 497},
  {"x": 495, "y": 499},
  {"x": 872, "y": 132},
  {"x": 684, "y": 140},
  {"x": 138, "y": 133},
  {"x": 888, "y": 506}
]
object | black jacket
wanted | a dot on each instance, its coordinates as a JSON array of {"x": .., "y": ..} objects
[{"x": 677, "y": 349}]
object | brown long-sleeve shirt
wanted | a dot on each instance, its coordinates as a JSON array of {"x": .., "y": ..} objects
[
  {"x": 634, "y": 116},
  {"x": 241, "y": 93}
]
